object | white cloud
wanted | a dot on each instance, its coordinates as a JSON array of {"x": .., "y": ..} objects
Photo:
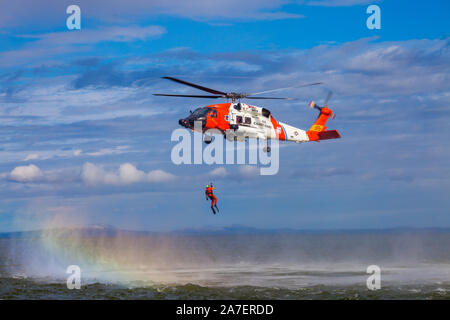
[
  {"x": 91, "y": 174},
  {"x": 29, "y": 173},
  {"x": 127, "y": 174},
  {"x": 115, "y": 34},
  {"x": 52, "y": 101},
  {"x": 77, "y": 152},
  {"x": 50, "y": 12},
  {"x": 241, "y": 66},
  {"x": 108, "y": 151},
  {"x": 32, "y": 156},
  {"x": 51, "y": 45},
  {"x": 218, "y": 172},
  {"x": 248, "y": 171}
]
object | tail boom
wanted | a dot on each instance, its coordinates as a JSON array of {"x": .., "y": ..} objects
[{"x": 318, "y": 130}]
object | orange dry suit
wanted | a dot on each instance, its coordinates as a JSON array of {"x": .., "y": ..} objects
[{"x": 209, "y": 194}]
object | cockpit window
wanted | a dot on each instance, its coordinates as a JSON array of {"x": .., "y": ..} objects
[
  {"x": 265, "y": 112},
  {"x": 199, "y": 112}
]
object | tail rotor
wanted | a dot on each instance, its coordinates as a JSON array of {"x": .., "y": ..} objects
[
  {"x": 330, "y": 93},
  {"x": 314, "y": 105}
]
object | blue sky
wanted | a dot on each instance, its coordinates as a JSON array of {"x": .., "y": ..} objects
[{"x": 78, "y": 104}]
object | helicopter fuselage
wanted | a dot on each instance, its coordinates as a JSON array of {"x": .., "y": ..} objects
[{"x": 245, "y": 121}]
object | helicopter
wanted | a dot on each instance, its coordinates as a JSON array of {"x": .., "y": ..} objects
[{"x": 238, "y": 121}]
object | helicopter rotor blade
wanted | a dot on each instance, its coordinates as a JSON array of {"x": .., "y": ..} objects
[
  {"x": 270, "y": 98},
  {"x": 231, "y": 95},
  {"x": 330, "y": 93},
  {"x": 273, "y": 90},
  {"x": 186, "y": 95},
  {"x": 196, "y": 86}
]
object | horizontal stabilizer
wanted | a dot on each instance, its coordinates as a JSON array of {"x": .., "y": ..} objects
[{"x": 329, "y": 134}]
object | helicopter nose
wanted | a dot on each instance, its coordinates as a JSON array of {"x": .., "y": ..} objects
[{"x": 182, "y": 122}]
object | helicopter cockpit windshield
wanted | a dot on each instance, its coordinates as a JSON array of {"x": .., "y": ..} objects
[{"x": 199, "y": 114}]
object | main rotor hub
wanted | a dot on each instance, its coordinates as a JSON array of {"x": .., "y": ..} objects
[{"x": 235, "y": 96}]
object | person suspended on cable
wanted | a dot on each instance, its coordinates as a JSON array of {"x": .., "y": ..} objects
[{"x": 210, "y": 195}]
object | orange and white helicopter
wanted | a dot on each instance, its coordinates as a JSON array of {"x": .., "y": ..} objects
[{"x": 247, "y": 121}]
